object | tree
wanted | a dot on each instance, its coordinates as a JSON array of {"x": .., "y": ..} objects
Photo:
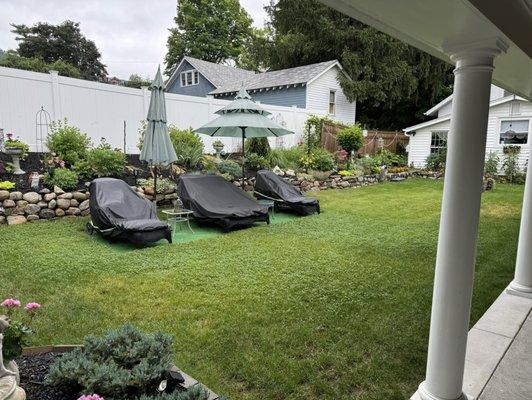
[
  {"x": 11, "y": 59},
  {"x": 136, "y": 81},
  {"x": 391, "y": 81},
  {"x": 212, "y": 30},
  {"x": 255, "y": 53},
  {"x": 63, "y": 42}
]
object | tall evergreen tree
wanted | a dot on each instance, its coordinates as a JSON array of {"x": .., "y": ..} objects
[
  {"x": 212, "y": 30},
  {"x": 63, "y": 42}
]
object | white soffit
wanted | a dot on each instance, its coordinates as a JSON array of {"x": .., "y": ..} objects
[{"x": 432, "y": 24}]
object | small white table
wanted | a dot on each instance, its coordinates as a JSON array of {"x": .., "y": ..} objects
[{"x": 175, "y": 217}]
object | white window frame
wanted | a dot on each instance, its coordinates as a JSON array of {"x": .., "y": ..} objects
[
  {"x": 194, "y": 77},
  {"x": 438, "y": 148},
  {"x": 333, "y": 104},
  {"x": 508, "y": 119}
]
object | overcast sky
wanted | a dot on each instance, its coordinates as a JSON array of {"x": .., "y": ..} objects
[{"x": 130, "y": 34}]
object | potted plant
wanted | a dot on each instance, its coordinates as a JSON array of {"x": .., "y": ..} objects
[
  {"x": 18, "y": 150},
  {"x": 218, "y": 146}
]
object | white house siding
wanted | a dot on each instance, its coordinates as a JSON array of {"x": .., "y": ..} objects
[
  {"x": 419, "y": 145},
  {"x": 445, "y": 110},
  {"x": 318, "y": 97}
]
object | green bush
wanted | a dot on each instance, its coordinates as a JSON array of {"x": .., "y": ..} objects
[
  {"x": 389, "y": 159},
  {"x": 436, "y": 161},
  {"x": 6, "y": 185},
  {"x": 260, "y": 146},
  {"x": 323, "y": 160},
  {"x": 255, "y": 162},
  {"x": 367, "y": 165},
  {"x": 491, "y": 168},
  {"x": 187, "y": 145},
  {"x": 511, "y": 167},
  {"x": 66, "y": 179},
  {"x": 194, "y": 393},
  {"x": 230, "y": 167},
  {"x": 17, "y": 144},
  {"x": 350, "y": 138},
  {"x": 123, "y": 364},
  {"x": 287, "y": 158},
  {"x": 67, "y": 142},
  {"x": 164, "y": 185},
  {"x": 105, "y": 161}
]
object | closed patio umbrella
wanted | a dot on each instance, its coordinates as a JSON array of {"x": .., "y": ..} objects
[
  {"x": 157, "y": 148},
  {"x": 243, "y": 118}
]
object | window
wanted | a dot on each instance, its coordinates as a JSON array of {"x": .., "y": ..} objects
[
  {"x": 514, "y": 131},
  {"x": 332, "y": 102},
  {"x": 189, "y": 78},
  {"x": 438, "y": 142}
]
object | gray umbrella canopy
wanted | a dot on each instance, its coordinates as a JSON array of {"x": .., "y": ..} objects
[
  {"x": 243, "y": 118},
  {"x": 157, "y": 148}
]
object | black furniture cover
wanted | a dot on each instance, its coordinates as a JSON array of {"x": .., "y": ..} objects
[
  {"x": 118, "y": 212},
  {"x": 215, "y": 200},
  {"x": 286, "y": 196}
]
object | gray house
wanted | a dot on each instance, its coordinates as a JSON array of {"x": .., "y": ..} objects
[{"x": 314, "y": 87}]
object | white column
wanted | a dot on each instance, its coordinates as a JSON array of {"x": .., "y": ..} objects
[
  {"x": 455, "y": 261},
  {"x": 522, "y": 283}
]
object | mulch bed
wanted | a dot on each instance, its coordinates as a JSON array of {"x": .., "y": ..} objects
[{"x": 33, "y": 370}]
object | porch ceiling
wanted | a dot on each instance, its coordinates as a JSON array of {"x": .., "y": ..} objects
[{"x": 431, "y": 25}]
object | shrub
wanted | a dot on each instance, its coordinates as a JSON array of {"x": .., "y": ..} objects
[
  {"x": 17, "y": 144},
  {"x": 436, "y": 161},
  {"x": 6, "y": 185},
  {"x": 123, "y": 364},
  {"x": 511, "y": 167},
  {"x": 389, "y": 159},
  {"x": 323, "y": 160},
  {"x": 260, "y": 146},
  {"x": 491, "y": 168},
  {"x": 187, "y": 145},
  {"x": 255, "y": 162},
  {"x": 350, "y": 138},
  {"x": 194, "y": 393},
  {"x": 164, "y": 185},
  {"x": 230, "y": 167},
  {"x": 105, "y": 161},
  {"x": 287, "y": 158},
  {"x": 18, "y": 329},
  {"x": 66, "y": 179},
  {"x": 368, "y": 165},
  {"x": 67, "y": 142}
]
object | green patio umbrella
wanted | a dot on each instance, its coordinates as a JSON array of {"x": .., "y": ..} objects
[
  {"x": 157, "y": 148},
  {"x": 243, "y": 118}
]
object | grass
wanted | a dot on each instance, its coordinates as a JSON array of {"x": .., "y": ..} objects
[{"x": 332, "y": 306}]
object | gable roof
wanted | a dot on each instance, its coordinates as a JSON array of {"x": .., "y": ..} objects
[
  {"x": 438, "y": 106},
  {"x": 217, "y": 74},
  {"x": 291, "y": 76}
]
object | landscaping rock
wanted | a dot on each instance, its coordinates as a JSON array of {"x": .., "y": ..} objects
[
  {"x": 8, "y": 203},
  {"x": 63, "y": 203},
  {"x": 44, "y": 191},
  {"x": 58, "y": 190},
  {"x": 42, "y": 204},
  {"x": 15, "y": 196},
  {"x": 278, "y": 171},
  {"x": 32, "y": 209},
  {"x": 86, "y": 212},
  {"x": 160, "y": 197},
  {"x": 74, "y": 203},
  {"x": 73, "y": 211},
  {"x": 32, "y": 217},
  {"x": 290, "y": 172},
  {"x": 2, "y": 211},
  {"x": 32, "y": 197},
  {"x": 171, "y": 196},
  {"x": 59, "y": 212},
  {"x": 17, "y": 210},
  {"x": 22, "y": 203},
  {"x": 16, "y": 219},
  {"x": 84, "y": 205},
  {"x": 2, "y": 220},
  {"x": 4, "y": 194},
  {"x": 49, "y": 196},
  {"x": 149, "y": 191},
  {"x": 67, "y": 196},
  {"x": 46, "y": 213},
  {"x": 52, "y": 204},
  {"x": 79, "y": 196}
]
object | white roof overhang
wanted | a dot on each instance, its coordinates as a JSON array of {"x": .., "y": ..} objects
[{"x": 436, "y": 26}]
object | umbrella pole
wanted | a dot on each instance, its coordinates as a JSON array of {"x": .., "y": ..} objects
[
  {"x": 243, "y": 154},
  {"x": 155, "y": 185}
]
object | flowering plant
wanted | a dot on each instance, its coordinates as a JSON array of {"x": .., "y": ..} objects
[
  {"x": 11, "y": 143},
  {"x": 91, "y": 397},
  {"x": 15, "y": 336}
]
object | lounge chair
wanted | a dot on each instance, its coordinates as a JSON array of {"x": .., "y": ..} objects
[
  {"x": 120, "y": 213},
  {"x": 216, "y": 201},
  {"x": 287, "y": 197}
]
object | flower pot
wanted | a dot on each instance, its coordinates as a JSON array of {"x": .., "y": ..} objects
[
  {"x": 15, "y": 153},
  {"x": 218, "y": 149}
]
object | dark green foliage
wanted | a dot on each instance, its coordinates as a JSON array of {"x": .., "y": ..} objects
[
  {"x": 13, "y": 60},
  {"x": 491, "y": 167},
  {"x": 66, "y": 179},
  {"x": 123, "y": 364},
  {"x": 63, "y": 42},
  {"x": 350, "y": 138},
  {"x": 230, "y": 167},
  {"x": 260, "y": 146},
  {"x": 287, "y": 158},
  {"x": 321, "y": 160},
  {"x": 67, "y": 142},
  {"x": 105, "y": 161},
  {"x": 187, "y": 145},
  {"x": 136, "y": 81},
  {"x": 212, "y": 30},
  {"x": 436, "y": 161},
  {"x": 255, "y": 162},
  {"x": 511, "y": 164},
  {"x": 389, "y": 159},
  {"x": 194, "y": 393},
  {"x": 368, "y": 165},
  {"x": 313, "y": 129},
  {"x": 15, "y": 339}
]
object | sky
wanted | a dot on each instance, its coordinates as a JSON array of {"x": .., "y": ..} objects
[{"x": 130, "y": 34}]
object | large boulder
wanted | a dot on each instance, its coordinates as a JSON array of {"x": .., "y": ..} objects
[
  {"x": 2, "y": 220},
  {"x": 63, "y": 203},
  {"x": 86, "y": 212},
  {"x": 67, "y": 196},
  {"x": 79, "y": 196},
  {"x": 59, "y": 212},
  {"x": 52, "y": 204},
  {"x": 32, "y": 197},
  {"x": 58, "y": 190},
  {"x": 31, "y": 218},
  {"x": 42, "y": 204},
  {"x": 16, "y": 219},
  {"x": 22, "y": 203},
  {"x": 32, "y": 209},
  {"x": 49, "y": 196},
  {"x": 46, "y": 213},
  {"x": 73, "y": 211},
  {"x": 8, "y": 203},
  {"x": 15, "y": 196},
  {"x": 84, "y": 205},
  {"x": 4, "y": 194},
  {"x": 74, "y": 203},
  {"x": 44, "y": 191}
]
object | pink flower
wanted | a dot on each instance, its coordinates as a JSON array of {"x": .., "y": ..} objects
[
  {"x": 10, "y": 303},
  {"x": 91, "y": 397},
  {"x": 62, "y": 164},
  {"x": 9, "y": 136},
  {"x": 32, "y": 306}
]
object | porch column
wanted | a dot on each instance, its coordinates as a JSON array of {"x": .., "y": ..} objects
[
  {"x": 455, "y": 261},
  {"x": 522, "y": 283}
]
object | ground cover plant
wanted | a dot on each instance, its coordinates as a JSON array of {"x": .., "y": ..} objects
[{"x": 331, "y": 306}]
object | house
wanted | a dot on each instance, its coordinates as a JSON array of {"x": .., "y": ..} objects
[
  {"x": 509, "y": 123},
  {"x": 314, "y": 87}
]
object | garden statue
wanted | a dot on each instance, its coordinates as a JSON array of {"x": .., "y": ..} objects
[
  {"x": 218, "y": 146},
  {"x": 9, "y": 389}
]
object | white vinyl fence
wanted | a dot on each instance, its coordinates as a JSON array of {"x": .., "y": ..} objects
[{"x": 100, "y": 110}]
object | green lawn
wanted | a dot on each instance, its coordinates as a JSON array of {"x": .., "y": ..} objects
[{"x": 332, "y": 306}]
